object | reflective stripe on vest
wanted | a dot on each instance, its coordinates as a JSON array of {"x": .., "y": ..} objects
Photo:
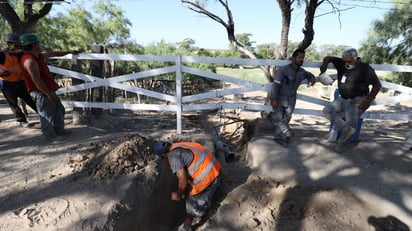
[
  {"x": 11, "y": 64},
  {"x": 204, "y": 168}
]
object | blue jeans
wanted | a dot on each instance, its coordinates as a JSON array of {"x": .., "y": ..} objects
[
  {"x": 51, "y": 115},
  {"x": 343, "y": 108}
]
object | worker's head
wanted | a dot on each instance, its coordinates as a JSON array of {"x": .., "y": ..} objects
[
  {"x": 12, "y": 38},
  {"x": 29, "y": 41},
  {"x": 350, "y": 57},
  {"x": 12, "y": 41},
  {"x": 298, "y": 56},
  {"x": 161, "y": 148}
]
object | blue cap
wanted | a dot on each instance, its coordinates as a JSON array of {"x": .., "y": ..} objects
[
  {"x": 161, "y": 147},
  {"x": 12, "y": 38}
]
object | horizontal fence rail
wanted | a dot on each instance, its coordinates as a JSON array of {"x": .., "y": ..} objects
[{"x": 179, "y": 104}]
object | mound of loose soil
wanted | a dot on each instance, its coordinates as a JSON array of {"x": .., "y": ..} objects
[{"x": 123, "y": 156}]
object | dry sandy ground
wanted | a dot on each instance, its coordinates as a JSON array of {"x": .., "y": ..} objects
[{"x": 103, "y": 176}]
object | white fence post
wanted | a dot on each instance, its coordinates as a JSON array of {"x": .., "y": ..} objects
[{"x": 179, "y": 93}]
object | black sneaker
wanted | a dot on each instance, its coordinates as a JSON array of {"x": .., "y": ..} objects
[
  {"x": 24, "y": 124},
  {"x": 64, "y": 133},
  {"x": 282, "y": 141},
  {"x": 184, "y": 227}
]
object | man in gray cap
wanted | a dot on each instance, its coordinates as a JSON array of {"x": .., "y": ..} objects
[{"x": 354, "y": 78}]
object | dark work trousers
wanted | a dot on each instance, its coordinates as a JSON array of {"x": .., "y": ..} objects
[
  {"x": 282, "y": 116},
  {"x": 14, "y": 90}
]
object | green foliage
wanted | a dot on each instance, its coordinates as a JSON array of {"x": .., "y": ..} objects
[
  {"x": 390, "y": 40},
  {"x": 80, "y": 28},
  {"x": 244, "y": 38},
  {"x": 253, "y": 74},
  {"x": 266, "y": 51},
  {"x": 312, "y": 54},
  {"x": 331, "y": 49},
  {"x": 5, "y": 28}
]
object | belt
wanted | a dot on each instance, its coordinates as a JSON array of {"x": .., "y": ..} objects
[{"x": 353, "y": 97}]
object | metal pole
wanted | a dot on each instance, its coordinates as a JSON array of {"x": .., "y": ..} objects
[{"x": 179, "y": 94}]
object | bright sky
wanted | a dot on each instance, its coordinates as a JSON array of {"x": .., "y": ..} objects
[{"x": 170, "y": 20}]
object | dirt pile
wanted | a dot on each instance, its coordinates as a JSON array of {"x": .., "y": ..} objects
[{"x": 107, "y": 160}]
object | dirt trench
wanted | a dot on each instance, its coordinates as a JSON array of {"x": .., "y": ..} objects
[{"x": 147, "y": 204}]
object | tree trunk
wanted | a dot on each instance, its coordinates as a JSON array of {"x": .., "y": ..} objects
[
  {"x": 286, "y": 11},
  {"x": 26, "y": 25},
  {"x": 308, "y": 31}
]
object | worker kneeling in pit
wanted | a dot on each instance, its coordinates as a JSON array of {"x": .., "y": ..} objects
[{"x": 198, "y": 174}]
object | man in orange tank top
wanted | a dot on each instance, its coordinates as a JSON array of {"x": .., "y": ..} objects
[{"x": 11, "y": 76}]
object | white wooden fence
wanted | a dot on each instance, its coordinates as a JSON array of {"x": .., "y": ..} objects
[{"x": 180, "y": 104}]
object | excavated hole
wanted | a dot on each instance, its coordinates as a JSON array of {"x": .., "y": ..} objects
[{"x": 147, "y": 204}]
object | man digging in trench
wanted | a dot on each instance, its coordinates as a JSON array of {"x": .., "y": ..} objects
[{"x": 198, "y": 174}]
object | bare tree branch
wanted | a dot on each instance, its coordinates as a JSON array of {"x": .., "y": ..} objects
[
  {"x": 308, "y": 31},
  {"x": 230, "y": 29},
  {"x": 337, "y": 10},
  {"x": 199, "y": 9},
  {"x": 20, "y": 26}
]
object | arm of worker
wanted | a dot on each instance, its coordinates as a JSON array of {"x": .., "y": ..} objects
[
  {"x": 276, "y": 85},
  {"x": 181, "y": 185},
  {"x": 376, "y": 87},
  {"x": 324, "y": 65},
  {"x": 274, "y": 94},
  {"x": 311, "y": 78},
  {"x": 3, "y": 73},
  {"x": 47, "y": 55},
  {"x": 33, "y": 70}
]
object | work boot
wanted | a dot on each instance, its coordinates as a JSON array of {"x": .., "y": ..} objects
[
  {"x": 65, "y": 132},
  {"x": 282, "y": 141},
  {"x": 184, "y": 227},
  {"x": 347, "y": 133},
  {"x": 24, "y": 124},
  {"x": 341, "y": 148},
  {"x": 197, "y": 220}
]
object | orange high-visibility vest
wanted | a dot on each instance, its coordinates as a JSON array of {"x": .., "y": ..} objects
[
  {"x": 204, "y": 168},
  {"x": 11, "y": 64}
]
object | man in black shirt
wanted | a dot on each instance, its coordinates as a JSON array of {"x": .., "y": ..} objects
[{"x": 354, "y": 79}]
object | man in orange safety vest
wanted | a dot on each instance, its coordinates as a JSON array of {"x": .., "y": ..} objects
[
  {"x": 198, "y": 174},
  {"x": 12, "y": 79}
]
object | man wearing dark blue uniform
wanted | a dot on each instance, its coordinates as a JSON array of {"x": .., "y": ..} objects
[{"x": 284, "y": 92}]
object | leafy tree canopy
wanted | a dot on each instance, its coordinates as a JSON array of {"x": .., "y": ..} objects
[
  {"x": 390, "y": 40},
  {"x": 79, "y": 28}
]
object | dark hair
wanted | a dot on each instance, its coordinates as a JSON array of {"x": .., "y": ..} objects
[{"x": 297, "y": 51}]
